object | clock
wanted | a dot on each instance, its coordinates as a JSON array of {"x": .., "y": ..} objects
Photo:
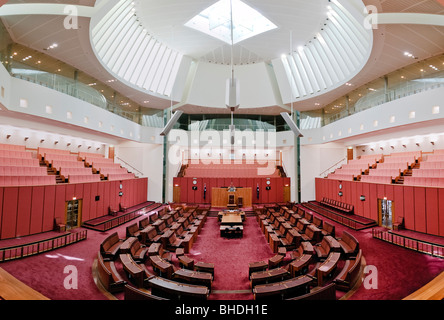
[
  {"x": 340, "y": 186},
  {"x": 194, "y": 181},
  {"x": 268, "y": 181}
]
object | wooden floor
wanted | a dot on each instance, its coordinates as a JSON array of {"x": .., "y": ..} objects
[
  {"x": 434, "y": 290},
  {"x": 13, "y": 289}
]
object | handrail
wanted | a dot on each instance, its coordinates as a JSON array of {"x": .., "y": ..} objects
[
  {"x": 141, "y": 173},
  {"x": 322, "y": 173},
  {"x": 430, "y": 248}
]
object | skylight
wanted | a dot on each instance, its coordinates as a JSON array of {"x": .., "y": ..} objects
[{"x": 216, "y": 21}]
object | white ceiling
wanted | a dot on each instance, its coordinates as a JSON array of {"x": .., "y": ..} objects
[{"x": 166, "y": 17}]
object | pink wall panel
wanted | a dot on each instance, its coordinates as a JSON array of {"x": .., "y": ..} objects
[
  {"x": 92, "y": 201},
  {"x": 359, "y": 205},
  {"x": 420, "y": 206},
  {"x": 60, "y": 203},
  {"x": 432, "y": 209},
  {"x": 48, "y": 208},
  {"x": 106, "y": 197},
  {"x": 38, "y": 194},
  {"x": 409, "y": 207},
  {"x": 398, "y": 196},
  {"x": 9, "y": 219},
  {"x": 389, "y": 192},
  {"x": 380, "y": 191},
  {"x": 24, "y": 211},
  {"x": 366, "y": 203},
  {"x": 101, "y": 194},
  {"x": 373, "y": 214},
  {"x": 70, "y": 191},
  {"x": 78, "y": 193}
]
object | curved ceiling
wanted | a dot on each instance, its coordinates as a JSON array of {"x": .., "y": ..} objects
[{"x": 260, "y": 55}]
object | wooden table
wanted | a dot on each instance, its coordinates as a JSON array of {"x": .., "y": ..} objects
[{"x": 164, "y": 287}]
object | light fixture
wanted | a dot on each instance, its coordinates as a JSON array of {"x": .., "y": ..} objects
[
  {"x": 26, "y": 138},
  {"x": 8, "y": 136},
  {"x": 372, "y": 149},
  {"x": 417, "y": 144},
  {"x": 432, "y": 142},
  {"x": 381, "y": 148},
  {"x": 98, "y": 149},
  {"x": 68, "y": 144},
  {"x": 79, "y": 145},
  {"x": 404, "y": 146},
  {"x": 89, "y": 147},
  {"x": 392, "y": 147},
  {"x": 43, "y": 140},
  {"x": 55, "y": 142}
]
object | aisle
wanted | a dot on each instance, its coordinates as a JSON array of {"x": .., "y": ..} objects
[{"x": 231, "y": 257}]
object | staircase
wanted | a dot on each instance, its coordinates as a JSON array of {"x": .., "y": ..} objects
[{"x": 51, "y": 172}]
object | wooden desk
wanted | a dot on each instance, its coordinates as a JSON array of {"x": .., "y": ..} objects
[
  {"x": 186, "y": 262},
  {"x": 204, "y": 267},
  {"x": 171, "y": 289},
  {"x": 256, "y": 266},
  {"x": 267, "y": 276},
  {"x": 297, "y": 266},
  {"x": 284, "y": 289},
  {"x": 328, "y": 266},
  {"x": 164, "y": 268},
  {"x": 231, "y": 219},
  {"x": 219, "y": 196}
]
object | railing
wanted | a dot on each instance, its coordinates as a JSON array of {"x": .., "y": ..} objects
[
  {"x": 130, "y": 166},
  {"x": 30, "y": 249},
  {"x": 433, "y": 249},
  {"x": 322, "y": 174}
]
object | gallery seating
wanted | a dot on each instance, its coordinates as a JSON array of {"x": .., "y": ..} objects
[{"x": 338, "y": 205}]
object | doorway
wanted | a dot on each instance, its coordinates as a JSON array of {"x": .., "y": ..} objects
[
  {"x": 386, "y": 213},
  {"x": 73, "y": 214}
]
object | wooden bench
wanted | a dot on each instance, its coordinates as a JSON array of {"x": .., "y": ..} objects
[
  {"x": 108, "y": 274},
  {"x": 137, "y": 273},
  {"x": 143, "y": 223},
  {"x": 327, "y": 244},
  {"x": 256, "y": 266},
  {"x": 162, "y": 267},
  {"x": 275, "y": 261},
  {"x": 133, "y": 230},
  {"x": 327, "y": 267},
  {"x": 304, "y": 248},
  {"x": 312, "y": 234},
  {"x": 138, "y": 251},
  {"x": 175, "y": 290},
  {"x": 125, "y": 247},
  {"x": 149, "y": 235},
  {"x": 283, "y": 289},
  {"x": 325, "y": 293},
  {"x": 328, "y": 229},
  {"x": 300, "y": 265},
  {"x": 110, "y": 247},
  {"x": 132, "y": 293},
  {"x": 350, "y": 273},
  {"x": 349, "y": 244}
]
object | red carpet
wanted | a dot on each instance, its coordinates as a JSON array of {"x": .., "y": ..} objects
[{"x": 400, "y": 271}]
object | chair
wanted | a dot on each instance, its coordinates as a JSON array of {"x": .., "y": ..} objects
[
  {"x": 58, "y": 225},
  {"x": 399, "y": 224},
  {"x": 231, "y": 202}
]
